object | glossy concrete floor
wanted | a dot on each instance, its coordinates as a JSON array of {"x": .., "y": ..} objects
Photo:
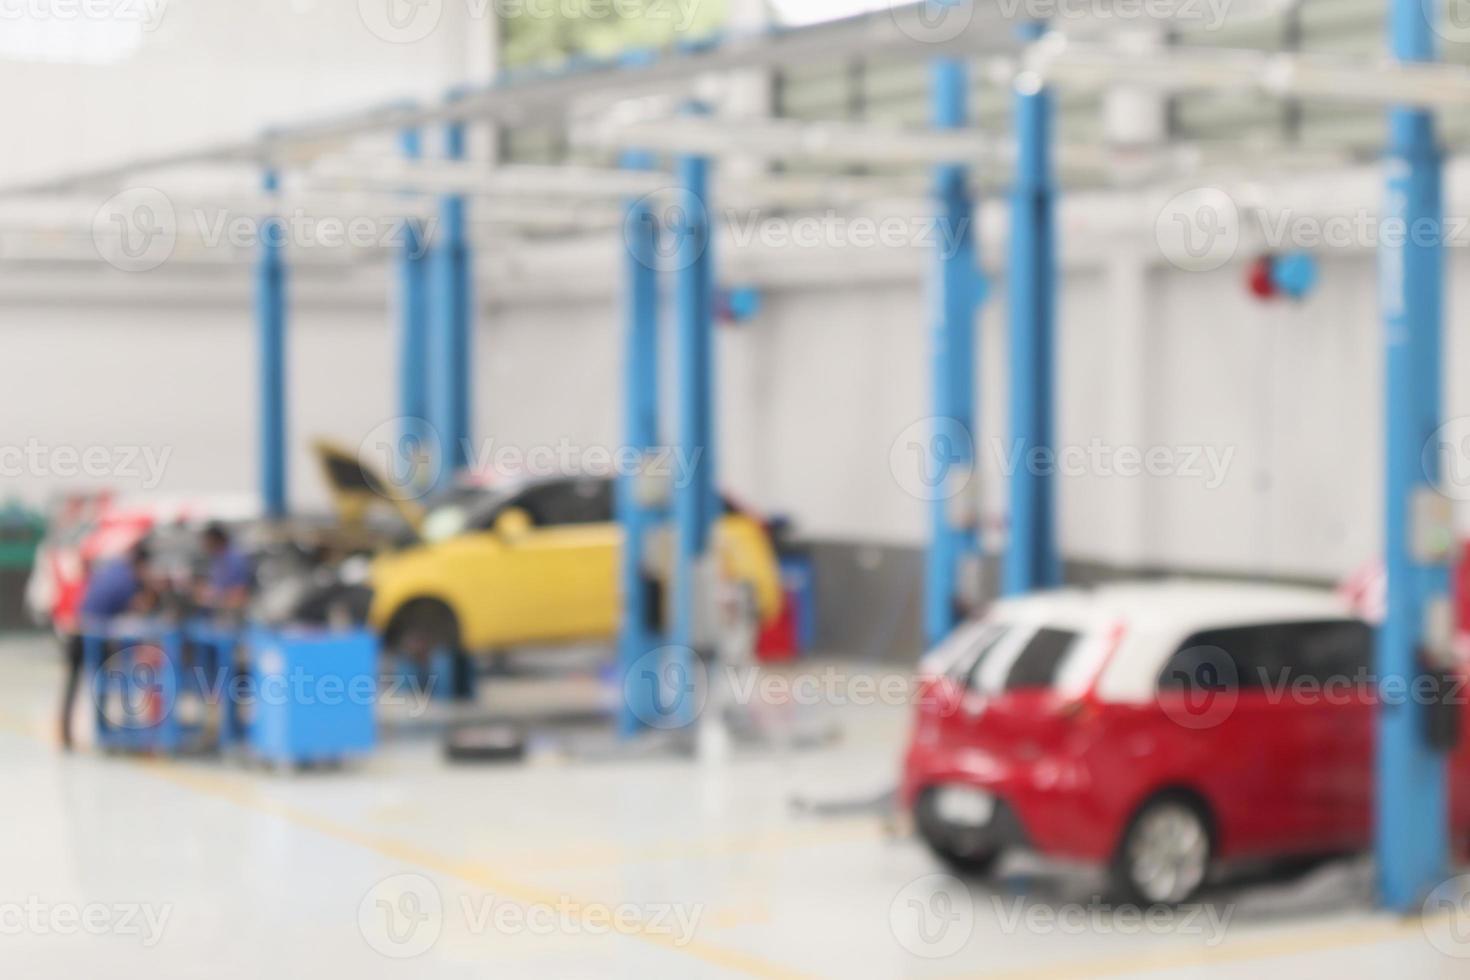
[{"x": 570, "y": 867}]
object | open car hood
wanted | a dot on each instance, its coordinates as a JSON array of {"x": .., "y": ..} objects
[{"x": 360, "y": 491}]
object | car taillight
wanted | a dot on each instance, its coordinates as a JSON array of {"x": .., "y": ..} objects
[{"x": 1080, "y": 712}]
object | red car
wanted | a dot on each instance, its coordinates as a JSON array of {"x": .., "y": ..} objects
[{"x": 1156, "y": 729}]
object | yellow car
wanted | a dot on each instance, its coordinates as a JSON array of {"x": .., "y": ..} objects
[{"x": 532, "y": 563}]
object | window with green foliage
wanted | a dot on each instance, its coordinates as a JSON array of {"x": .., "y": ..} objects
[{"x": 546, "y": 32}]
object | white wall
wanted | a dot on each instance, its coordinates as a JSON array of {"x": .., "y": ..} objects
[
  {"x": 812, "y": 396},
  {"x": 214, "y": 70}
]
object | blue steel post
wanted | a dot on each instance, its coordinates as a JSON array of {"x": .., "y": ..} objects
[
  {"x": 637, "y": 635},
  {"x": 957, "y": 291},
  {"x": 270, "y": 317},
  {"x": 413, "y": 319},
  {"x": 451, "y": 318},
  {"x": 694, "y": 490},
  {"x": 1031, "y": 560},
  {"x": 1411, "y": 832}
]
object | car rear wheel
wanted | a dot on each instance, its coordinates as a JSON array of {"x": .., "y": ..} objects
[
  {"x": 1165, "y": 854},
  {"x": 959, "y": 850}
]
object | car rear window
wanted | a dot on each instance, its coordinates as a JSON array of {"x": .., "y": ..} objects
[{"x": 1041, "y": 660}]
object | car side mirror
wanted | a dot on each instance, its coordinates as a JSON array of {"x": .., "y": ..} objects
[{"x": 513, "y": 525}]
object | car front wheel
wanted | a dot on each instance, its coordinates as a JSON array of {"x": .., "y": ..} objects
[{"x": 1165, "y": 854}]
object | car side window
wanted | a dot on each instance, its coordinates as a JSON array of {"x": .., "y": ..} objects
[
  {"x": 1329, "y": 652},
  {"x": 567, "y": 502},
  {"x": 1039, "y": 663},
  {"x": 964, "y": 668},
  {"x": 1239, "y": 658},
  {"x": 1270, "y": 656}
]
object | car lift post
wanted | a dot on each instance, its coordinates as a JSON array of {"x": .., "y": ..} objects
[
  {"x": 1031, "y": 560},
  {"x": 413, "y": 313},
  {"x": 451, "y": 311},
  {"x": 638, "y": 633},
  {"x": 694, "y": 496},
  {"x": 958, "y": 289},
  {"x": 1412, "y": 810},
  {"x": 270, "y": 317}
]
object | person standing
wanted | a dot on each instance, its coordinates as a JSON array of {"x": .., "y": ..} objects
[{"x": 116, "y": 587}]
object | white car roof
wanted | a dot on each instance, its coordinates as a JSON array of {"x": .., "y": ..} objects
[{"x": 1155, "y": 618}]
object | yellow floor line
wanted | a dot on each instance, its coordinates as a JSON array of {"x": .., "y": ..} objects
[
  {"x": 473, "y": 872},
  {"x": 249, "y": 797},
  {"x": 1342, "y": 936}
]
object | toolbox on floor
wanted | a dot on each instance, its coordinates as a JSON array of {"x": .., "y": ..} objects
[{"x": 314, "y": 695}]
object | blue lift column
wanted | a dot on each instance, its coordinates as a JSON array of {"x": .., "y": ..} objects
[
  {"x": 957, "y": 292},
  {"x": 413, "y": 320},
  {"x": 451, "y": 316},
  {"x": 639, "y": 633},
  {"x": 1412, "y": 809},
  {"x": 1031, "y": 560},
  {"x": 270, "y": 318},
  {"x": 694, "y": 497}
]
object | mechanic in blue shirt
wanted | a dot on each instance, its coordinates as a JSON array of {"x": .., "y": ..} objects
[
  {"x": 121, "y": 585},
  {"x": 226, "y": 587}
]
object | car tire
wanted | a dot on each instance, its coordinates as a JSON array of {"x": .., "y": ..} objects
[
  {"x": 422, "y": 627},
  {"x": 1166, "y": 853},
  {"x": 951, "y": 851}
]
